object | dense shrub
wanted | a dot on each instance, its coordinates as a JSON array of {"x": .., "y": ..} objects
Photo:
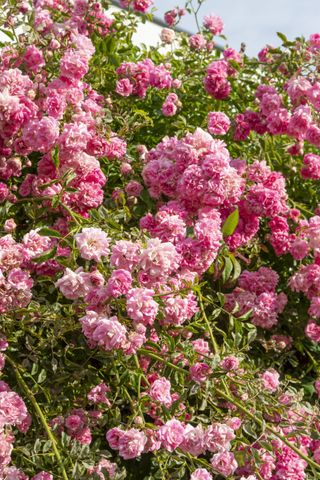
[{"x": 159, "y": 250}]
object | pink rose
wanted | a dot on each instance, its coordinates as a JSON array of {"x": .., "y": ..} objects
[{"x": 270, "y": 380}]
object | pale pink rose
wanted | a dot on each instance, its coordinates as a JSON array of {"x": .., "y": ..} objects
[
  {"x": 126, "y": 168},
  {"x": 197, "y": 42},
  {"x": 230, "y": 363},
  {"x": 33, "y": 59},
  {"x": 194, "y": 440},
  {"x": 19, "y": 279},
  {"x": 199, "y": 372},
  {"x": 73, "y": 285},
  {"x": 9, "y": 225},
  {"x": 43, "y": 476},
  {"x": 167, "y": 35},
  {"x": 141, "y": 307},
  {"x": 74, "y": 423},
  {"x": 270, "y": 380},
  {"x": 35, "y": 244},
  {"x": 124, "y": 87},
  {"x": 201, "y": 474},
  {"x": 97, "y": 394},
  {"x": 131, "y": 443},
  {"x": 113, "y": 437},
  {"x": 160, "y": 391},
  {"x": 224, "y": 463},
  {"x": 171, "y": 434},
  {"x": 125, "y": 254},
  {"x": 159, "y": 259},
  {"x": 119, "y": 283},
  {"x": 40, "y": 135},
  {"x": 234, "y": 423},
  {"x": 13, "y": 410},
  {"x": 312, "y": 331},
  {"x": 93, "y": 243},
  {"x": 169, "y": 109},
  {"x": 218, "y": 123},
  {"x": 109, "y": 333},
  {"x": 74, "y": 65},
  {"x": 133, "y": 188},
  {"x": 201, "y": 346},
  {"x": 218, "y": 437},
  {"x": 214, "y": 24}
]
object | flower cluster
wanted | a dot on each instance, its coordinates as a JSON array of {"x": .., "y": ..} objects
[
  {"x": 139, "y": 252},
  {"x": 136, "y": 78},
  {"x": 256, "y": 291}
]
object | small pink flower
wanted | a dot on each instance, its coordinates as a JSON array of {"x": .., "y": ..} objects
[
  {"x": 201, "y": 474},
  {"x": 160, "y": 391},
  {"x": 201, "y": 346},
  {"x": 43, "y": 476},
  {"x": 97, "y": 394},
  {"x": 133, "y": 188},
  {"x": 312, "y": 331},
  {"x": 199, "y": 372},
  {"x": 113, "y": 437},
  {"x": 167, "y": 35},
  {"x": 230, "y": 363},
  {"x": 93, "y": 243},
  {"x": 141, "y": 307},
  {"x": 119, "y": 283},
  {"x": 169, "y": 109},
  {"x": 218, "y": 437},
  {"x": 224, "y": 463},
  {"x": 9, "y": 225},
  {"x": 270, "y": 380},
  {"x": 171, "y": 434},
  {"x": 214, "y": 24},
  {"x": 131, "y": 444},
  {"x": 197, "y": 42},
  {"x": 218, "y": 123},
  {"x": 19, "y": 279},
  {"x": 124, "y": 87}
]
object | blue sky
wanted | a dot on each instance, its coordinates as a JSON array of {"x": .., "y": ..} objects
[{"x": 255, "y": 22}]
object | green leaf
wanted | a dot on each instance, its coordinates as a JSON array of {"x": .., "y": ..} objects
[
  {"x": 42, "y": 376},
  {"x": 228, "y": 267},
  {"x": 55, "y": 157},
  {"x": 236, "y": 268},
  {"x": 46, "y": 256},
  {"x": 48, "y": 232},
  {"x": 8, "y": 33},
  {"x": 282, "y": 37},
  {"x": 231, "y": 223}
]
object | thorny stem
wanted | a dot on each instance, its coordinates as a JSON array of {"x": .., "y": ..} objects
[{"x": 41, "y": 416}]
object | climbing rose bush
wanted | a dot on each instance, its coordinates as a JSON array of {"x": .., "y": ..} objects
[{"x": 159, "y": 249}]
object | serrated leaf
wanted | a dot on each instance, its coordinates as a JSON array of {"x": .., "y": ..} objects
[{"x": 231, "y": 223}]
